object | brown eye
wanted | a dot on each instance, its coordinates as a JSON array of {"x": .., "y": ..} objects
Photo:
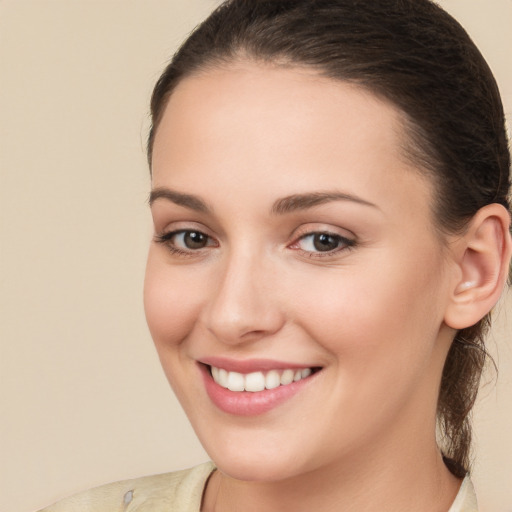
[
  {"x": 324, "y": 242},
  {"x": 186, "y": 241},
  {"x": 194, "y": 239}
]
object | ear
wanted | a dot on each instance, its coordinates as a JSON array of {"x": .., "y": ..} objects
[{"x": 482, "y": 257}]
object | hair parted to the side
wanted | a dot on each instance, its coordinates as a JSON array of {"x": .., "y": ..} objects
[{"x": 416, "y": 56}]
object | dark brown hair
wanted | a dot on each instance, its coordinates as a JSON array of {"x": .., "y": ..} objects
[{"x": 416, "y": 56}]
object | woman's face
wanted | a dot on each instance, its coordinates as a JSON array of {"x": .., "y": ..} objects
[{"x": 291, "y": 234}]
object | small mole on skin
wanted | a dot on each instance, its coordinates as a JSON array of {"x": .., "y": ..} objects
[{"x": 128, "y": 497}]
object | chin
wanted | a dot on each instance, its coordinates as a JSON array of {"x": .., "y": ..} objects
[
  {"x": 257, "y": 469},
  {"x": 264, "y": 460}
]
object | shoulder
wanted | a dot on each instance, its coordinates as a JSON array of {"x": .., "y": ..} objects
[{"x": 151, "y": 493}]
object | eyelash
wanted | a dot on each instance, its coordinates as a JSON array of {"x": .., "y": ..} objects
[
  {"x": 166, "y": 239},
  {"x": 346, "y": 243}
]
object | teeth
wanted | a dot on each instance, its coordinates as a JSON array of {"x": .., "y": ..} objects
[
  {"x": 305, "y": 373},
  {"x": 287, "y": 377},
  {"x": 254, "y": 382},
  {"x": 223, "y": 378},
  {"x": 236, "y": 381},
  {"x": 272, "y": 379},
  {"x": 257, "y": 381}
]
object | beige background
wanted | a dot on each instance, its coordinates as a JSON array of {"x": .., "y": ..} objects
[{"x": 83, "y": 400}]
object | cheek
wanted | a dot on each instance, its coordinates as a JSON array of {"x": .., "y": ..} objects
[
  {"x": 373, "y": 314},
  {"x": 171, "y": 302},
  {"x": 380, "y": 331}
]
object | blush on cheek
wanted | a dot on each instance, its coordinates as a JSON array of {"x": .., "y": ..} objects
[
  {"x": 363, "y": 317},
  {"x": 170, "y": 313}
]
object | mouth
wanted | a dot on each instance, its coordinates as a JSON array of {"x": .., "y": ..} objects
[
  {"x": 258, "y": 381},
  {"x": 255, "y": 387}
]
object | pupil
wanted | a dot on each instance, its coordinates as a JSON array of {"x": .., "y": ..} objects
[
  {"x": 195, "y": 240},
  {"x": 324, "y": 242}
]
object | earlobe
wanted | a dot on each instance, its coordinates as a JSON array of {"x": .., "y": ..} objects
[{"x": 483, "y": 260}]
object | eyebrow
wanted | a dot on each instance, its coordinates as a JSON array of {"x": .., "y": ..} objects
[
  {"x": 304, "y": 201},
  {"x": 187, "y": 200},
  {"x": 288, "y": 204}
]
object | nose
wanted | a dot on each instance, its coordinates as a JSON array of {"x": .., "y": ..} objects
[{"x": 245, "y": 306}]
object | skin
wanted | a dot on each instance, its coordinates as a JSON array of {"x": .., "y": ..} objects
[{"x": 371, "y": 315}]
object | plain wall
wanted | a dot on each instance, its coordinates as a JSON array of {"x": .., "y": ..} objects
[{"x": 83, "y": 400}]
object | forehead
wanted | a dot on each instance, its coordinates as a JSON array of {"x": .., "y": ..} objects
[
  {"x": 248, "y": 94},
  {"x": 249, "y": 123}
]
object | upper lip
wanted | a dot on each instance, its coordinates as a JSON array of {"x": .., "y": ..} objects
[{"x": 251, "y": 365}]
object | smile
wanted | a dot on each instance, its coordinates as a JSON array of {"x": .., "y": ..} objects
[
  {"x": 248, "y": 388},
  {"x": 257, "y": 381}
]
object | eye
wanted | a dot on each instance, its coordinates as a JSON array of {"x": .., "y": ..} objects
[
  {"x": 322, "y": 242},
  {"x": 186, "y": 240},
  {"x": 190, "y": 240}
]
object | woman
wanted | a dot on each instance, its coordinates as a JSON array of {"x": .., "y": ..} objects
[{"x": 330, "y": 187}]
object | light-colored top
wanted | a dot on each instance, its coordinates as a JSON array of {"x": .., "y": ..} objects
[
  {"x": 180, "y": 491},
  {"x": 465, "y": 500}
]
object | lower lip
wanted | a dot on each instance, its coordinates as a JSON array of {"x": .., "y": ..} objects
[{"x": 247, "y": 403}]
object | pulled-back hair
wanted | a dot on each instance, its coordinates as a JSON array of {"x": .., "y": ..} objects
[{"x": 417, "y": 57}]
